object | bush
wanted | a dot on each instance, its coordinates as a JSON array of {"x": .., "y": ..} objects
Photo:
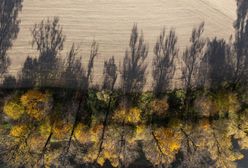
[
  {"x": 204, "y": 106},
  {"x": 159, "y": 107},
  {"x": 19, "y": 130},
  {"x": 61, "y": 129},
  {"x": 13, "y": 109},
  {"x": 226, "y": 103},
  {"x": 130, "y": 116},
  {"x": 82, "y": 133},
  {"x": 45, "y": 128},
  {"x": 176, "y": 100},
  {"x": 36, "y": 103}
]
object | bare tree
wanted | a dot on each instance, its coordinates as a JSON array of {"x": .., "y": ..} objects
[
  {"x": 27, "y": 76},
  {"x": 165, "y": 52}
]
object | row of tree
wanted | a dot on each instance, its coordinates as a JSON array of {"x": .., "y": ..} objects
[{"x": 40, "y": 132}]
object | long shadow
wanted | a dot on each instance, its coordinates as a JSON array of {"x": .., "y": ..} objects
[
  {"x": 9, "y": 28},
  {"x": 164, "y": 67}
]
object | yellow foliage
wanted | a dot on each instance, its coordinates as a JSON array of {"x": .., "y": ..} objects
[
  {"x": 140, "y": 129},
  {"x": 13, "y": 110},
  {"x": 19, "y": 130},
  {"x": 140, "y": 132},
  {"x": 45, "y": 128},
  {"x": 169, "y": 140},
  {"x": 159, "y": 107},
  {"x": 36, "y": 103},
  {"x": 130, "y": 116},
  {"x": 101, "y": 161},
  {"x": 85, "y": 135},
  {"x": 204, "y": 124},
  {"x": 61, "y": 129},
  {"x": 95, "y": 133},
  {"x": 109, "y": 154},
  {"x": 81, "y": 133},
  {"x": 134, "y": 115},
  {"x": 227, "y": 102},
  {"x": 110, "y": 148},
  {"x": 234, "y": 104},
  {"x": 119, "y": 115}
]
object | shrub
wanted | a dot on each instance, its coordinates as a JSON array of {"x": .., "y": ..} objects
[
  {"x": 159, "y": 107},
  {"x": 19, "y": 130},
  {"x": 13, "y": 109},
  {"x": 204, "y": 106},
  {"x": 36, "y": 103},
  {"x": 61, "y": 129},
  {"x": 176, "y": 100},
  {"x": 81, "y": 133},
  {"x": 130, "y": 116},
  {"x": 45, "y": 128},
  {"x": 36, "y": 143},
  {"x": 226, "y": 103}
]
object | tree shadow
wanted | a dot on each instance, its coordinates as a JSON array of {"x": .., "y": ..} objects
[
  {"x": 48, "y": 39},
  {"x": 27, "y": 76},
  {"x": 110, "y": 74},
  {"x": 217, "y": 63},
  {"x": 240, "y": 66},
  {"x": 134, "y": 67},
  {"x": 9, "y": 29},
  {"x": 192, "y": 59},
  {"x": 165, "y": 52},
  {"x": 74, "y": 74},
  {"x": 9, "y": 82}
]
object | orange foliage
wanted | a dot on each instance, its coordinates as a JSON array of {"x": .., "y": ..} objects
[{"x": 19, "y": 130}]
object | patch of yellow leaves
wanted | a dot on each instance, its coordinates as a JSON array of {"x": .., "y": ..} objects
[
  {"x": 61, "y": 129},
  {"x": 13, "y": 110},
  {"x": 81, "y": 133},
  {"x": 35, "y": 103},
  {"x": 130, "y": 116},
  {"x": 19, "y": 130},
  {"x": 169, "y": 140}
]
